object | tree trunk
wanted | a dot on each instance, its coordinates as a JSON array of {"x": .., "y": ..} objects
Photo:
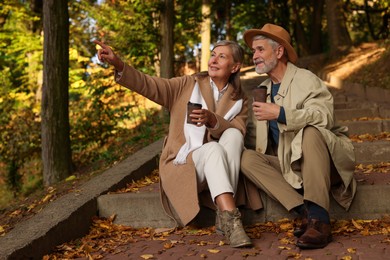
[
  {"x": 316, "y": 27},
  {"x": 299, "y": 31},
  {"x": 56, "y": 151},
  {"x": 368, "y": 18},
  {"x": 167, "y": 58},
  {"x": 205, "y": 35},
  {"x": 228, "y": 24},
  {"x": 339, "y": 39}
]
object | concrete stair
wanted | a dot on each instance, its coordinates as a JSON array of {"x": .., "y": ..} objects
[{"x": 144, "y": 208}]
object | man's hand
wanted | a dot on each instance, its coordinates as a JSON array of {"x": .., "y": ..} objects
[
  {"x": 265, "y": 111},
  {"x": 105, "y": 54}
]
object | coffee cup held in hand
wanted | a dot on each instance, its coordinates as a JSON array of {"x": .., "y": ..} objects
[
  {"x": 260, "y": 93},
  {"x": 190, "y": 107}
]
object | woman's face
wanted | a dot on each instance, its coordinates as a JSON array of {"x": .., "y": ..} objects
[{"x": 221, "y": 64}]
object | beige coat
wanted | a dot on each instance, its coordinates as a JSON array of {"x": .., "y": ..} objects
[
  {"x": 307, "y": 101},
  {"x": 178, "y": 182}
]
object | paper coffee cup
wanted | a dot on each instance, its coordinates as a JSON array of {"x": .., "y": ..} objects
[
  {"x": 190, "y": 107},
  {"x": 260, "y": 94}
]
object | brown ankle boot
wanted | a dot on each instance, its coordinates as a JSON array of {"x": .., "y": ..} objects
[
  {"x": 317, "y": 235},
  {"x": 231, "y": 225},
  {"x": 218, "y": 227},
  {"x": 299, "y": 231}
]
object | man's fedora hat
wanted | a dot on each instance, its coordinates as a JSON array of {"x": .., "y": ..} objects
[{"x": 276, "y": 33}]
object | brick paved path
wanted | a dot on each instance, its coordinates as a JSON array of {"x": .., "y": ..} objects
[{"x": 268, "y": 246}]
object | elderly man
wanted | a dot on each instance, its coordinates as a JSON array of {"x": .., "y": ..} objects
[{"x": 301, "y": 156}]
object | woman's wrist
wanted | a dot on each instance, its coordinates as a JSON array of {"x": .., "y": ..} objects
[
  {"x": 120, "y": 65},
  {"x": 212, "y": 122}
]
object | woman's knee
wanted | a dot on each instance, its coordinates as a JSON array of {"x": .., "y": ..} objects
[
  {"x": 233, "y": 131},
  {"x": 233, "y": 135},
  {"x": 213, "y": 148}
]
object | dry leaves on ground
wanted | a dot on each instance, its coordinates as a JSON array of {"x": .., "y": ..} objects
[
  {"x": 385, "y": 136},
  {"x": 108, "y": 238},
  {"x": 136, "y": 185},
  {"x": 8, "y": 219},
  {"x": 383, "y": 167}
]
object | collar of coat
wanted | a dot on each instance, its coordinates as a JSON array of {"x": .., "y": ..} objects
[
  {"x": 226, "y": 102},
  {"x": 286, "y": 80}
]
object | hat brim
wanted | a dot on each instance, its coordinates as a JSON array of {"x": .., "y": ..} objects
[{"x": 248, "y": 38}]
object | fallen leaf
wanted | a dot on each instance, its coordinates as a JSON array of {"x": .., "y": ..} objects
[
  {"x": 168, "y": 245},
  {"x": 163, "y": 231},
  {"x": 286, "y": 241},
  {"x": 86, "y": 248},
  {"x": 365, "y": 232},
  {"x": 15, "y": 213},
  {"x": 102, "y": 225},
  {"x": 214, "y": 251},
  {"x": 148, "y": 256},
  {"x": 202, "y": 243},
  {"x": 112, "y": 218},
  {"x": 357, "y": 225},
  {"x": 47, "y": 198},
  {"x": 71, "y": 178},
  {"x": 286, "y": 226},
  {"x": 351, "y": 250},
  {"x": 294, "y": 255},
  {"x": 51, "y": 189}
]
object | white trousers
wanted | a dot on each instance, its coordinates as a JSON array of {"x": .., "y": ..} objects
[{"x": 218, "y": 163}]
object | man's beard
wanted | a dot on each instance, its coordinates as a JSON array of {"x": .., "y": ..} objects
[{"x": 267, "y": 66}]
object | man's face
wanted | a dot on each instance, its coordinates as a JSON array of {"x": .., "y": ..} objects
[{"x": 264, "y": 57}]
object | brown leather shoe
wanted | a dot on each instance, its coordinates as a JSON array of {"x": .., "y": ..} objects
[
  {"x": 317, "y": 235},
  {"x": 299, "y": 231}
]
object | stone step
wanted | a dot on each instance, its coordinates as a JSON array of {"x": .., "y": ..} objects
[
  {"x": 144, "y": 209},
  {"x": 135, "y": 209},
  {"x": 368, "y": 126},
  {"x": 367, "y": 152},
  {"x": 372, "y": 152},
  {"x": 351, "y": 113}
]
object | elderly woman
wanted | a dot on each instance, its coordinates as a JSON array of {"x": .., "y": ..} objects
[{"x": 202, "y": 153}]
